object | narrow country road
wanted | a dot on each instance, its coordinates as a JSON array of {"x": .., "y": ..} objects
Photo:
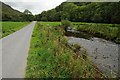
[{"x": 15, "y": 49}]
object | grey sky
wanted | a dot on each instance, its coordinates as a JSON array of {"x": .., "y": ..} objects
[{"x": 35, "y": 6}]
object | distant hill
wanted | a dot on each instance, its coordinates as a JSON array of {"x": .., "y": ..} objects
[{"x": 8, "y": 13}]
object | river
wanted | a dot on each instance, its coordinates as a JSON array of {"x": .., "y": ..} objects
[{"x": 103, "y": 53}]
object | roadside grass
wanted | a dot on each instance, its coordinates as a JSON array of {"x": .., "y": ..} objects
[
  {"x": 51, "y": 57},
  {"x": 10, "y": 27},
  {"x": 106, "y": 31}
]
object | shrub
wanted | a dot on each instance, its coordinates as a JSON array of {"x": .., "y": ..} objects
[{"x": 66, "y": 23}]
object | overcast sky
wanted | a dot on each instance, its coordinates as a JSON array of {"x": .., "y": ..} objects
[{"x": 35, "y": 6}]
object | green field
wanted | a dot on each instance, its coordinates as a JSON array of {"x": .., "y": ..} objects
[
  {"x": 51, "y": 56},
  {"x": 106, "y": 31},
  {"x": 10, "y": 27}
]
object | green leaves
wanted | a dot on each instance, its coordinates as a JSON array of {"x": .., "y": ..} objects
[{"x": 83, "y": 12}]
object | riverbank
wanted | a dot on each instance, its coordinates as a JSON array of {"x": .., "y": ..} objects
[{"x": 109, "y": 32}]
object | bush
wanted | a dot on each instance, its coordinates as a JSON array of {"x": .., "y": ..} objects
[{"x": 66, "y": 23}]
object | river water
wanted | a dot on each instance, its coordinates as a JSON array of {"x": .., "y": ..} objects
[{"x": 103, "y": 53}]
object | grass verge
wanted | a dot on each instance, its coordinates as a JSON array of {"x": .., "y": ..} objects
[{"x": 50, "y": 57}]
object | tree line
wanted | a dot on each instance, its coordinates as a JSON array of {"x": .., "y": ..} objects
[
  {"x": 98, "y": 12},
  {"x": 102, "y": 12}
]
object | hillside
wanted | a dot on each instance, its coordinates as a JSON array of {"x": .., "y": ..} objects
[
  {"x": 8, "y": 13},
  {"x": 102, "y": 12}
]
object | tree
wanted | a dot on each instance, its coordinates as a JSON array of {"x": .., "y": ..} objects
[
  {"x": 27, "y": 12},
  {"x": 97, "y": 18},
  {"x": 66, "y": 24},
  {"x": 27, "y": 16}
]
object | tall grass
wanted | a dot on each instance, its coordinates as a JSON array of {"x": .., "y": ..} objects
[
  {"x": 50, "y": 57},
  {"x": 10, "y": 27}
]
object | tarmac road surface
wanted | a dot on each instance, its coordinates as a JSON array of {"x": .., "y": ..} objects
[{"x": 15, "y": 49}]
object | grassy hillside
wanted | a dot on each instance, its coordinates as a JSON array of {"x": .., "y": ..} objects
[
  {"x": 8, "y": 13},
  {"x": 9, "y": 10}
]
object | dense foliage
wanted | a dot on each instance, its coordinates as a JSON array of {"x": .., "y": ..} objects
[
  {"x": 100, "y": 12},
  {"x": 104, "y": 12}
]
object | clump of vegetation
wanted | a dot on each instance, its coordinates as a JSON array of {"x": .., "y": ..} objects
[
  {"x": 50, "y": 56},
  {"x": 118, "y": 35},
  {"x": 66, "y": 24},
  {"x": 10, "y": 27},
  {"x": 77, "y": 46},
  {"x": 79, "y": 51}
]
